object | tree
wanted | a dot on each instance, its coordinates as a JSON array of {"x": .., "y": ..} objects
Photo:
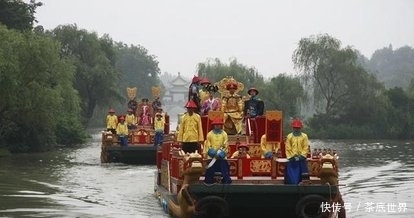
[
  {"x": 333, "y": 72},
  {"x": 137, "y": 68},
  {"x": 283, "y": 93},
  {"x": 37, "y": 93},
  {"x": 96, "y": 79},
  {"x": 16, "y": 14},
  {"x": 215, "y": 70},
  {"x": 395, "y": 68}
]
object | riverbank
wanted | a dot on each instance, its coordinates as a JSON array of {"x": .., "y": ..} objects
[{"x": 4, "y": 152}]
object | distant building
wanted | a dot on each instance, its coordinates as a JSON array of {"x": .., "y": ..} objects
[
  {"x": 177, "y": 90},
  {"x": 175, "y": 96}
]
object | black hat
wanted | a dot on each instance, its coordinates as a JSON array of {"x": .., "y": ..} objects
[{"x": 212, "y": 88}]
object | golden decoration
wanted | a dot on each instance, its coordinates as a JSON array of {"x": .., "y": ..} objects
[
  {"x": 255, "y": 150},
  {"x": 273, "y": 115},
  {"x": 132, "y": 92},
  {"x": 156, "y": 91},
  {"x": 258, "y": 166},
  {"x": 222, "y": 84}
]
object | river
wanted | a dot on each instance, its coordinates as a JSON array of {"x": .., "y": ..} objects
[{"x": 377, "y": 179}]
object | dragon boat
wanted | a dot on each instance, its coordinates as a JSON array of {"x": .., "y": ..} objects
[
  {"x": 258, "y": 186},
  {"x": 140, "y": 149}
]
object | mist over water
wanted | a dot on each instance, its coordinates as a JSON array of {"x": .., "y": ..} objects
[{"x": 73, "y": 183}]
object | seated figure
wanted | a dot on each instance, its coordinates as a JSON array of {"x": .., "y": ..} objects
[
  {"x": 232, "y": 106},
  {"x": 242, "y": 152},
  {"x": 268, "y": 149}
]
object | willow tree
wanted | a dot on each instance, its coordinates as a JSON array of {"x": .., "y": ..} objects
[
  {"x": 216, "y": 70},
  {"x": 39, "y": 106},
  {"x": 332, "y": 72},
  {"x": 94, "y": 59}
]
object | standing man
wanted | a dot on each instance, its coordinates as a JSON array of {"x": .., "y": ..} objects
[
  {"x": 159, "y": 124},
  {"x": 130, "y": 119},
  {"x": 297, "y": 147},
  {"x": 133, "y": 104},
  {"x": 156, "y": 104},
  {"x": 122, "y": 132},
  {"x": 254, "y": 106},
  {"x": 111, "y": 121},
  {"x": 194, "y": 92},
  {"x": 216, "y": 148},
  {"x": 190, "y": 132}
]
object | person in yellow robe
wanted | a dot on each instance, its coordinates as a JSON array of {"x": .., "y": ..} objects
[
  {"x": 268, "y": 149},
  {"x": 159, "y": 123},
  {"x": 297, "y": 148},
  {"x": 232, "y": 106},
  {"x": 242, "y": 152},
  {"x": 190, "y": 132},
  {"x": 204, "y": 91},
  {"x": 216, "y": 148},
  {"x": 130, "y": 119},
  {"x": 111, "y": 121},
  {"x": 122, "y": 132}
]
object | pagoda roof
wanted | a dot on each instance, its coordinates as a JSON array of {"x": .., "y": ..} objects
[{"x": 179, "y": 81}]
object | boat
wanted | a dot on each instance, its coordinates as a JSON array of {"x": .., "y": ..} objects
[
  {"x": 141, "y": 149},
  {"x": 258, "y": 186}
]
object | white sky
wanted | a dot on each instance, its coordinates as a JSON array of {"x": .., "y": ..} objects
[{"x": 259, "y": 33}]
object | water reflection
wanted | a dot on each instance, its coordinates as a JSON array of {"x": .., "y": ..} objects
[
  {"x": 73, "y": 183},
  {"x": 379, "y": 174}
]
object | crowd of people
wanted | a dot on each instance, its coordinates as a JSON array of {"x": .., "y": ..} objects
[
  {"x": 138, "y": 114},
  {"x": 236, "y": 109}
]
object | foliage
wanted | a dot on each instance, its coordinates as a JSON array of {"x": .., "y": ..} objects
[
  {"x": 216, "y": 70},
  {"x": 395, "y": 68},
  {"x": 96, "y": 79},
  {"x": 332, "y": 71},
  {"x": 283, "y": 93},
  {"x": 355, "y": 103},
  {"x": 36, "y": 91},
  {"x": 16, "y": 14},
  {"x": 138, "y": 69}
]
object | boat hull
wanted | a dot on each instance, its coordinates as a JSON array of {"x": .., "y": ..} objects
[
  {"x": 253, "y": 200},
  {"x": 137, "y": 154}
]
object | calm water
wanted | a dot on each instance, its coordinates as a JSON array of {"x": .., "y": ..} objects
[{"x": 73, "y": 183}]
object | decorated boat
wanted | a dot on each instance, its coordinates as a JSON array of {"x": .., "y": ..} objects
[
  {"x": 258, "y": 187},
  {"x": 141, "y": 147}
]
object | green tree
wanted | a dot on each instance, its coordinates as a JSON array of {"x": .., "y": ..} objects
[
  {"x": 17, "y": 14},
  {"x": 284, "y": 93},
  {"x": 138, "y": 69},
  {"x": 349, "y": 100},
  {"x": 395, "y": 68},
  {"x": 399, "y": 117},
  {"x": 215, "y": 70},
  {"x": 333, "y": 72},
  {"x": 96, "y": 79},
  {"x": 37, "y": 94}
]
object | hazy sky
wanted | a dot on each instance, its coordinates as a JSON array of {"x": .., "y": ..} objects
[{"x": 259, "y": 33}]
